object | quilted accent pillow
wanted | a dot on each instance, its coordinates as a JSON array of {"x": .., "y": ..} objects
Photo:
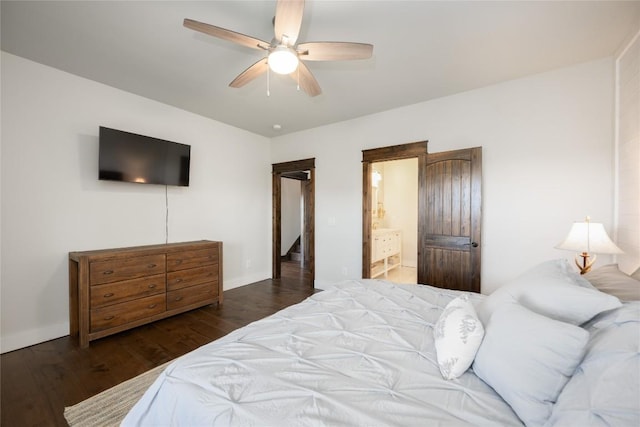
[
  {"x": 457, "y": 335},
  {"x": 528, "y": 359},
  {"x": 609, "y": 279}
]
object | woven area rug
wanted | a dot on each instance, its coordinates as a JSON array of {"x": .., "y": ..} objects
[{"x": 111, "y": 406}]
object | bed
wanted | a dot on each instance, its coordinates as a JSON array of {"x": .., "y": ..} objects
[{"x": 547, "y": 349}]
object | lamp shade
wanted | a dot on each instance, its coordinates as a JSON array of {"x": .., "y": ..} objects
[{"x": 589, "y": 237}]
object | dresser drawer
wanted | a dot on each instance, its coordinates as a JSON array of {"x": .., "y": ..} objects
[
  {"x": 189, "y": 259},
  {"x": 191, "y": 295},
  {"x": 114, "y": 293},
  {"x": 125, "y": 312},
  {"x": 124, "y": 269},
  {"x": 193, "y": 276}
]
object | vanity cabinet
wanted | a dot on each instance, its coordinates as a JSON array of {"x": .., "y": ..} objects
[
  {"x": 386, "y": 251},
  {"x": 112, "y": 290}
]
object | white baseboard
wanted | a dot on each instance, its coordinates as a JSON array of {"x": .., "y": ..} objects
[
  {"x": 245, "y": 280},
  {"x": 30, "y": 337}
]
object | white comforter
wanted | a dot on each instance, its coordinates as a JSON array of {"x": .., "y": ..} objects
[{"x": 361, "y": 353}]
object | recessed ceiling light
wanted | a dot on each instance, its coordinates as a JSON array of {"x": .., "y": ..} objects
[{"x": 277, "y": 127}]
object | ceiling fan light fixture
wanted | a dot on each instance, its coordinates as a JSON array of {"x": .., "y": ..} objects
[
  {"x": 284, "y": 53},
  {"x": 283, "y": 60}
]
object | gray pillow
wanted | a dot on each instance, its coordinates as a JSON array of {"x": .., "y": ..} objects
[
  {"x": 611, "y": 280},
  {"x": 553, "y": 290},
  {"x": 528, "y": 359},
  {"x": 605, "y": 389}
]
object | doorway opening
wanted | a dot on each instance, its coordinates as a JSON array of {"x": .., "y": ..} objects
[
  {"x": 293, "y": 248},
  {"x": 394, "y": 222},
  {"x": 391, "y": 201}
]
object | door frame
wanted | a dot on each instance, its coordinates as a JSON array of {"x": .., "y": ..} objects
[
  {"x": 396, "y": 152},
  {"x": 276, "y": 190}
]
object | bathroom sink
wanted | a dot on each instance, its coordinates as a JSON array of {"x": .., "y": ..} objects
[{"x": 382, "y": 230}]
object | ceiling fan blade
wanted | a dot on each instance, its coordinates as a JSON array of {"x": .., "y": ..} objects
[
  {"x": 250, "y": 73},
  {"x": 225, "y": 34},
  {"x": 334, "y": 51},
  {"x": 288, "y": 20},
  {"x": 305, "y": 79}
]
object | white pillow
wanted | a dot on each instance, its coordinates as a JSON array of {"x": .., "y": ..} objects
[
  {"x": 636, "y": 274},
  {"x": 609, "y": 279},
  {"x": 553, "y": 290},
  {"x": 457, "y": 335},
  {"x": 528, "y": 359}
]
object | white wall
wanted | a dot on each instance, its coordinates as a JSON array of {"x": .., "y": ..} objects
[
  {"x": 628, "y": 155},
  {"x": 53, "y": 203},
  {"x": 547, "y": 161},
  {"x": 290, "y": 213},
  {"x": 547, "y": 156}
]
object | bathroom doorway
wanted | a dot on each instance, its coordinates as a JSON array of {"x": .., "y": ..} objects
[
  {"x": 391, "y": 203},
  {"x": 394, "y": 222}
]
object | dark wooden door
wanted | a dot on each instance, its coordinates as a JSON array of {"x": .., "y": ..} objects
[{"x": 449, "y": 222}]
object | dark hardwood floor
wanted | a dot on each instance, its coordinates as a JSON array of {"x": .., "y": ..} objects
[{"x": 37, "y": 382}]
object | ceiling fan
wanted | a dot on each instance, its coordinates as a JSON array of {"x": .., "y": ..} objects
[{"x": 283, "y": 55}]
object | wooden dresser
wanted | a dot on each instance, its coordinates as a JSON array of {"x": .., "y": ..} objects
[{"x": 112, "y": 290}]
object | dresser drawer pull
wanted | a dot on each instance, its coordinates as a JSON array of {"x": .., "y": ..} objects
[
  {"x": 151, "y": 265},
  {"x": 109, "y": 295},
  {"x": 152, "y": 305},
  {"x": 108, "y": 272},
  {"x": 151, "y": 286},
  {"x": 178, "y": 261},
  {"x": 109, "y": 317},
  {"x": 178, "y": 280},
  {"x": 178, "y": 298}
]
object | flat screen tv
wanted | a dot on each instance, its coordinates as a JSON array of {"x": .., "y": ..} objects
[{"x": 129, "y": 157}]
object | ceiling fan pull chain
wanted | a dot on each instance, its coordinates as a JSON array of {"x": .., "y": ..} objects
[{"x": 298, "y": 77}]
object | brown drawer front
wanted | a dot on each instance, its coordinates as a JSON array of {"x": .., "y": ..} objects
[
  {"x": 189, "y": 259},
  {"x": 193, "y": 276},
  {"x": 114, "y": 293},
  {"x": 119, "y": 314},
  {"x": 124, "y": 269},
  {"x": 190, "y": 295}
]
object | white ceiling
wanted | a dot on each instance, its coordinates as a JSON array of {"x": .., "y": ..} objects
[{"x": 422, "y": 50}]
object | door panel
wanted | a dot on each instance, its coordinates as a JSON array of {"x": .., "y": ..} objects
[
  {"x": 448, "y": 200},
  {"x": 450, "y": 252},
  {"x": 450, "y": 267}
]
